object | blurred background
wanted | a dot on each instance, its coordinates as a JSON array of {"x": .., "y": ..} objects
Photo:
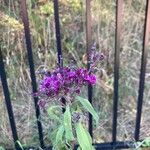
[{"x": 73, "y": 35}]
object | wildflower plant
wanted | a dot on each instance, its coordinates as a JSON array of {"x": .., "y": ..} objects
[{"x": 59, "y": 92}]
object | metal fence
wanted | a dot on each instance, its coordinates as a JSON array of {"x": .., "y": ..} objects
[{"x": 114, "y": 144}]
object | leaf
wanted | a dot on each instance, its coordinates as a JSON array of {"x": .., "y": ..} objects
[
  {"x": 83, "y": 138},
  {"x": 52, "y": 135},
  {"x": 52, "y": 113},
  {"x": 146, "y": 142},
  {"x": 139, "y": 143},
  {"x": 59, "y": 135},
  {"x": 88, "y": 135},
  {"x": 78, "y": 148},
  {"x": 1, "y": 148},
  {"x": 87, "y": 105},
  {"x": 59, "y": 142},
  {"x": 68, "y": 125},
  {"x": 20, "y": 145}
]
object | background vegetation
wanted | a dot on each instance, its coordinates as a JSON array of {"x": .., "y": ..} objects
[{"x": 72, "y": 20}]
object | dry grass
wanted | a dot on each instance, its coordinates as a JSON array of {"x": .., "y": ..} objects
[{"x": 73, "y": 41}]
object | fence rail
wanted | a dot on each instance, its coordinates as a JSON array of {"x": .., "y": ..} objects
[{"x": 114, "y": 144}]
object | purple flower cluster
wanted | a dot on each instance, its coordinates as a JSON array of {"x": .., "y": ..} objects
[{"x": 65, "y": 80}]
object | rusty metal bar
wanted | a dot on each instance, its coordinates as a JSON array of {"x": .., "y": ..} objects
[
  {"x": 143, "y": 70},
  {"x": 88, "y": 48},
  {"x": 58, "y": 40},
  {"x": 25, "y": 20},
  {"x": 58, "y": 35},
  {"x": 119, "y": 13},
  {"x": 8, "y": 101}
]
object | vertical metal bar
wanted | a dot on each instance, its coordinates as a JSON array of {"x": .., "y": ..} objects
[
  {"x": 119, "y": 10},
  {"x": 25, "y": 20},
  {"x": 58, "y": 41},
  {"x": 8, "y": 101},
  {"x": 58, "y": 35},
  {"x": 88, "y": 48},
  {"x": 143, "y": 69}
]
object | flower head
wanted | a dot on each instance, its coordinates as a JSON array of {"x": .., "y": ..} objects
[
  {"x": 68, "y": 80},
  {"x": 65, "y": 81}
]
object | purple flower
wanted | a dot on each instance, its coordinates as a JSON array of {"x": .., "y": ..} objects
[
  {"x": 42, "y": 103},
  {"x": 63, "y": 81},
  {"x": 72, "y": 74},
  {"x": 77, "y": 91},
  {"x": 68, "y": 80},
  {"x": 92, "y": 79}
]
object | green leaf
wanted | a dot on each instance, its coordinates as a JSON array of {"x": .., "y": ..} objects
[
  {"x": 68, "y": 125},
  {"x": 146, "y": 142},
  {"x": 52, "y": 112},
  {"x": 139, "y": 143},
  {"x": 20, "y": 145},
  {"x": 1, "y": 148},
  {"x": 59, "y": 135},
  {"x": 79, "y": 148},
  {"x": 52, "y": 136},
  {"x": 87, "y": 106},
  {"x": 83, "y": 138}
]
